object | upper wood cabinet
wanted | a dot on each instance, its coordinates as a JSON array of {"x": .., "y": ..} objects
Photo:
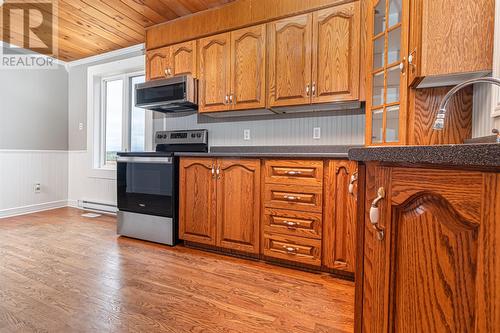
[
  {"x": 450, "y": 37},
  {"x": 248, "y": 68},
  {"x": 170, "y": 61},
  {"x": 197, "y": 195},
  {"x": 238, "y": 205},
  {"x": 429, "y": 248},
  {"x": 290, "y": 46},
  {"x": 220, "y": 202},
  {"x": 215, "y": 73},
  {"x": 336, "y": 53},
  {"x": 386, "y": 95},
  {"x": 232, "y": 70},
  {"x": 183, "y": 59},
  {"x": 314, "y": 58},
  {"x": 340, "y": 215},
  {"x": 156, "y": 63}
]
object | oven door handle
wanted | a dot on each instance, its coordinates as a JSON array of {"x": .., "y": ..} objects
[{"x": 147, "y": 160}]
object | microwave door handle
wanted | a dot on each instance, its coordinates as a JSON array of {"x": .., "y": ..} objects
[{"x": 146, "y": 160}]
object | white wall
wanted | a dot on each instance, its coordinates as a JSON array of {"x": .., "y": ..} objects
[{"x": 21, "y": 169}]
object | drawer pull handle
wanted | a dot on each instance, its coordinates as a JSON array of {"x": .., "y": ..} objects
[
  {"x": 290, "y": 224},
  {"x": 375, "y": 213},
  {"x": 294, "y": 173},
  {"x": 290, "y": 250},
  {"x": 291, "y": 198}
]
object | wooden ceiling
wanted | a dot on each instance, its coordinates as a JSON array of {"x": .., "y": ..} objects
[{"x": 91, "y": 27}]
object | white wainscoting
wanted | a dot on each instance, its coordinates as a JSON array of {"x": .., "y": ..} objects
[
  {"x": 21, "y": 169},
  {"x": 85, "y": 184}
]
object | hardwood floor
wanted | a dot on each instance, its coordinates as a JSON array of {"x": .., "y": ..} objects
[{"x": 60, "y": 272}]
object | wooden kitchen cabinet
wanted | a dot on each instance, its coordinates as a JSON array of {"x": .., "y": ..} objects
[
  {"x": 233, "y": 70},
  {"x": 183, "y": 59},
  {"x": 336, "y": 53},
  {"x": 248, "y": 68},
  {"x": 290, "y": 49},
  {"x": 215, "y": 73},
  {"x": 220, "y": 202},
  {"x": 156, "y": 63},
  {"x": 340, "y": 215},
  {"x": 429, "y": 261},
  {"x": 197, "y": 200},
  {"x": 170, "y": 61},
  {"x": 315, "y": 58},
  {"x": 238, "y": 205},
  {"x": 450, "y": 37}
]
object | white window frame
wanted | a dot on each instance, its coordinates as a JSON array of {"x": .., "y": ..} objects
[
  {"x": 126, "y": 115},
  {"x": 96, "y": 76}
]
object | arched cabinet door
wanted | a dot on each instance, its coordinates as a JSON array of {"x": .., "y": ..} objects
[
  {"x": 183, "y": 59},
  {"x": 156, "y": 63},
  {"x": 238, "y": 205},
  {"x": 197, "y": 196},
  {"x": 422, "y": 250}
]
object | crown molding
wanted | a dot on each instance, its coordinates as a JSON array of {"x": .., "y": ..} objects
[{"x": 107, "y": 55}]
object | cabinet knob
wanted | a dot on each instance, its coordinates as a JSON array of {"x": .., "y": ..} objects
[
  {"x": 231, "y": 99},
  {"x": 226, "y": 99},
  {"x": 313, "y": 89},
  {"x": 213, "y": 171},
  {"x": 218, "y": 172},
  {"x": 375, "y": 213},
  {"x": 307, "y": 89},
  {"x": 354, "y": 178}
]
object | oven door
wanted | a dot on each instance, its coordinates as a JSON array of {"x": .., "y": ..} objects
[{"x": 146, "y": 185}]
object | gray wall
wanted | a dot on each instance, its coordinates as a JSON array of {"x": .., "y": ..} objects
[
  {"x": 34, "y": 109},
  {"x": 78, "y": 101}
]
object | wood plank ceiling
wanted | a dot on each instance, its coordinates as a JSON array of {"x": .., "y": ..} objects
[{"x": 91, "y": 27}]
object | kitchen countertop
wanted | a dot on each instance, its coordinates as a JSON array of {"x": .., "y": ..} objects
[
  {"x": 336, "y": 151},
  {"x": 467, "y": 155}
]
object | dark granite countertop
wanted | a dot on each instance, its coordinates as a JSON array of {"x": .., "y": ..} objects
[
  {"x": 276, "y": 151},
  {"x": 467, "y": 155}
]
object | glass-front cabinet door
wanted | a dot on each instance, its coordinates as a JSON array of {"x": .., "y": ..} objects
[{"x": 387, "y": 43}]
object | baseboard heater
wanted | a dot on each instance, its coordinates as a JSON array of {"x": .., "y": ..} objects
[{"x": 97, "y": 206}]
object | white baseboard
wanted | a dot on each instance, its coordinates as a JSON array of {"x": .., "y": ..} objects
[{"x": 16, "y": 211}]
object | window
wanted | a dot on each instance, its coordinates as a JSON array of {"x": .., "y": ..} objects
[{"x": 123, "y": 126}]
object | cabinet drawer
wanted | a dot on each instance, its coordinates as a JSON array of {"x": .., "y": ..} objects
[
  {"x": 293, "y": 223},
  {"x": 308, "y": 198},
  {"x": 303, "y": 250},
  {"x": 299, "y": 172}
]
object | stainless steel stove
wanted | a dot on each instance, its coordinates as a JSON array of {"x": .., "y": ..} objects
[{"x": 147, "y": 186}]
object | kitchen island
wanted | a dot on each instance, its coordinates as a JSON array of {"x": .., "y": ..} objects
[{"x": 428, "y": 239}]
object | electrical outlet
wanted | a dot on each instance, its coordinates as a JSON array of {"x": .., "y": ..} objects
[
  {"x": 317, "y": 133},
  {"x": 37, "y": 188},
  {"x": 80, "y": 126},
  {"x": 246, "y": 135}
]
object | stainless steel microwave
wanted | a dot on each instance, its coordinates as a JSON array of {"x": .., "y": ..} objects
[{"x": 177, "y": 94}]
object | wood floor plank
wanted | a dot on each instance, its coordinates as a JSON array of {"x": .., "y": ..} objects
[{"x": 65, "y": 273}]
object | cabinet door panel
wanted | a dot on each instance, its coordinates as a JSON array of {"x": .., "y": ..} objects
[
  {"x": 197, "y": 206},
  {"x": 290, "y": 43},
  {"x": 238, "y": 205},
  {"x": 336, "y": 57},
  {"x": 340, "y": 215},
  {"x": 183, "y": 59},
  {"x": 215, "y": 71},
  {"x": 422, "y": 274},
  {"x": 156, "y": 62},
  {"x": 248, "y": 71}
]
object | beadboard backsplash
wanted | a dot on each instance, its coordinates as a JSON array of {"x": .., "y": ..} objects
[{"x": 337, "y": 128}]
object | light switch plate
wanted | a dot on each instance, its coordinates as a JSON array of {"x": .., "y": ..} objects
[
  {"x": 246, "y": 135},
  {"x": 317, "y": 133}
]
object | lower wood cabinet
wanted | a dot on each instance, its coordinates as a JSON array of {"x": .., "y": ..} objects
[
  {"x": 340, "y": 215},
  {"x": 429, "y": 251},
  {"x": 220, "y": 202}
]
